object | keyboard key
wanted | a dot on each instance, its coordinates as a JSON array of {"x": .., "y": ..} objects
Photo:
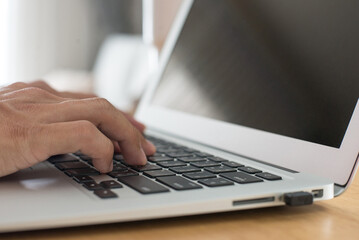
[
  {"x": 83, "y": 171},
  {"x": 191, "y": 159},
  {"x": 147, "y": 167},
  {"x": 205, "y": 164},
  {"x": 123, "y": 173},
  {"x": 178, "y": 183},
  {"x": 179, "y": 154},
  {"x": 159, "y": 159},
  {"x": 199, "y": 175},
  {"x": 105, "y": 193},
  {"x": 233, "y": 164},
  {"x": 110, "y": 184},
  {"x": 166, "y": 150},
  {"x": 202, "y": 154},
  {"x": 71, "y": 165},
  {"x": 159, "y": 173},
  {"x": 268, "y": 176},
  {"x": 240, "y": 177},
  {"x": 185, "y": 169},
  {"x": 63, "y": 158},
  {"x": 92, "y": 185},
  {"x": 216, "y": 182},
  {"x": 220, "y": 169},
  {"x": 85, "y": 158},
  {"x": 82, "y": 179},
  {"x": 143, "y": 184},
  {"x": 118, "y": 157},
  {"x": 168, "y": 164},
  {"x": 119, "y": 167},
  {"x": 189, "y": 150},
  {"x": 158, "y": 155},
  {"x": 249, "y": 170},
  {"x": 217, "y": 159}
]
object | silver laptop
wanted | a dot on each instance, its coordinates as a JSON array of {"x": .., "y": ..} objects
[{"x": 255, "y": 105}]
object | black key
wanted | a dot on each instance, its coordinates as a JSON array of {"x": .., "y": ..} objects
[
  {"x": 158, "y": 155},
  {"x": 118, "y": 167},
  {"x": 82, "y": 179},
  {"x": 63, "y": 158},
  {"x": 71, "y": 165},
  {"x": 249, "y": 170},
  {"x": 233, "y": 164},
  {"x": 92, "y": 185},
  {"x": 159, "y": 173},
  {"x": 268, "y": 176},
  {"x": 166, "y": 150},
  {"x": 110, "y": 184},
  {"x": 202, "y": 154},
  {"x": 199, "y": 175},
  {"x": 159, "y": 159},
  {"x": 123, "y": 173},
  {"x": 147, "y": 167},
  {"x": 217, "y": 159},
  {"x": 179, "y": 154},
  {"x": 189, "y": 150},
  {"x": 191, "y": 159},
  {"x": 240, "y": 177},
  {"x": 220, "y": 169},
  {"x": 83, "y": 171},
  {"x": 118, "y": 157},
  {"x": 205, "y": 164},
  {"x": 185, "y": 169},
  {"x": 178, "y": 183},
  {"x": 85, "y": 158},
  {"x": 216, "y": 182},
  {"x": 105, "y": 193},
  {"x": 143, "y": 184},
  {"x": 168, "y": 164}
]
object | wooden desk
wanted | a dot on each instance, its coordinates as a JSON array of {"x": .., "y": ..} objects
[{"x": 333, "y": 219}]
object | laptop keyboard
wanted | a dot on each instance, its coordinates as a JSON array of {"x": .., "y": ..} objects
[{"x": 173, "y": 167}]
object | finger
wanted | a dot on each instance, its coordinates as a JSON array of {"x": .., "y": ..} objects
[
  {"x": 70, "y": 137},
  {"x": 141, "y": 127},
  {"x": 43, "y": 85},
  {"x": 116, "y": 146},
  {"x": 31, "y": 95},
  {"x": 13, "y": 87},
  {"x": 109, "y": 120}
]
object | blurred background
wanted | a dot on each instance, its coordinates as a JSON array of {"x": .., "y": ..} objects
[{"x": 108, "y": 47}]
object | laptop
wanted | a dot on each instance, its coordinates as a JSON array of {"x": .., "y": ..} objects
[{"x": 255, "y": 105}]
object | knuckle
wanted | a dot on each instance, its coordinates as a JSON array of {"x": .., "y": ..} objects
[
  {"x": 19, "y": 85},
  {"x": 85, "y": 129},
  {"x": 103, "y": 103},
  {"x": 35, "y": 91},
  {"x": 40, "y": 83}
]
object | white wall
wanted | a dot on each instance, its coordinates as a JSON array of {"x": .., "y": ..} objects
[{"x": 39, "y": 36}]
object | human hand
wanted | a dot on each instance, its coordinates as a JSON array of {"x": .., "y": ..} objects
[{"x": 38, "y": 122}]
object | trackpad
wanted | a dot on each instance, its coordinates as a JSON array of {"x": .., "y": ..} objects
[{"x": 38, "y": 177}]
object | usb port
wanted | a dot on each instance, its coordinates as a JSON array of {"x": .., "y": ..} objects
[{"x": 318, "y": 193}]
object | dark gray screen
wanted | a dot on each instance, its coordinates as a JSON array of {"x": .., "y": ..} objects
[{"x": 286, "y": 67}]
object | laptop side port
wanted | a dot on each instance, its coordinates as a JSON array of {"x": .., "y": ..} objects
[
  {"x": 253, "y": 201},
  {"x": 317, "y": 193}
]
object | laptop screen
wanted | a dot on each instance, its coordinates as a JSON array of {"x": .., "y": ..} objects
[{"x": 286, "y": 67}]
